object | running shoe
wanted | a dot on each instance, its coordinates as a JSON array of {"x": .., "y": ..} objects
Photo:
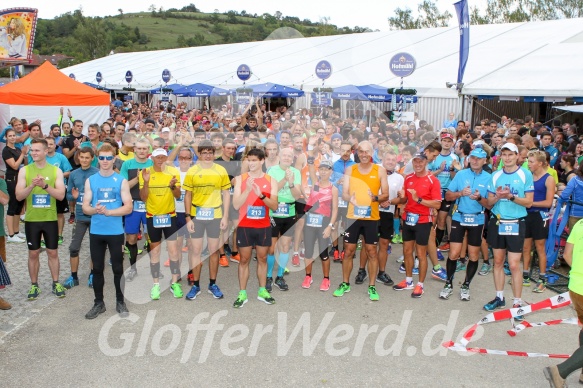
[
  {"x": 281, "y": 284},
  {"x": 185, "y": 249},
  {"x": 361, "y": 276},
  {"x": 235, "y": 259},
  {"x": 446, "y": 292},
  {"x": 440, "y": 257},
  {"x": 285, "y": 271},
  {"x": 190, "y": 279},
  {"x": 215, "y": 291},
  {"x": 540, "y": 287},
  {"x": 389, "y": 249},
  {"x": 485, "y": 270},
  {"x": 98, "y": 308},
  {"x": 307, "y": 282},
  {"x": 72, "y": 218},
  {"x": 21, "y": 235},
  {"x": 395, "y": 239},
  {"x": 42, "y": 244},
  {"x": 359, "y": 245},
  {"x": 325, "y": 285},
  {"x": 70, "y": 283},
  {"x": 526, "y": 282},
  {"x": 336, "y": 255},
  {"x": 223, "y": 262},
  {"x": 241, "y": 300},
  {"x": 132, "y": 273},
  {"x": 155, "y": 292},
  {"x": 342, "y": 289},
  {"x": 167, "y": 263},
  {"x": 122, "y": 309},
  {"x": 404, "y": 285},
  {"x": 417, "y": 292},
  {"x": 34, "y": 292},
  {"x": 296, "y": 260},
  {"x": 14, "y": 239},
  {"x": 494, "y": 304},
  {"x": 139, "y": 235},
  {"x": 507, "y": 269},
  {"x": 465, "y": 293},
  {"x": 176, "y": 290},
  {"x": 385, "y": 279},
  {"x": 402, "y": 269},
  {"x": 518, "y": 317},
  {"x": 264, "y": 296},
  {"x": 193, "y": 293},
  {"x": 400, "y": 259},
  {"x": 373, "y": 294},
  {"x": 227, "y": 249},
  {"x": 59, "y": 290},
  {"x": 444, "y": 247},
  {"x": 269, "y": 284},
  {"x": 440, "y": 274},
  {"x": 460, "y": 266},
  {"x": 61, "y": 239},
  {"x": 90, "y": 281}
]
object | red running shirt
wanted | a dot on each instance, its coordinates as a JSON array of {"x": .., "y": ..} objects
[
  {"x": 427, "y": 187},
  {"x": 254, "y": 213}
]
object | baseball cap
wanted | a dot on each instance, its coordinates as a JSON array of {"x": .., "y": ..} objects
[
  {"x": 420, "y": 155},
  {"x": 336, "y": 136},
  {"x": 158, "y": 152},
  {"x": 479, "y": 153},
  {"x": 326, "y": 163},
  {"x": 446, "y": 135},
  {"x": 509, "y": 146},
  {"x": 165, "y": 129}
]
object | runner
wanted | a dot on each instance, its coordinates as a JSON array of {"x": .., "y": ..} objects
[
  {"x": 362, "y": 182},
  {"x": 208, "y": 199},
  {"x": 288, "y": 181},
  {"x": 537, "y": 218},
  {"x": 510, "y": 193},
  {"x": 421, "y": 194},
  {"x": 322, "y": 210},
  {"x": 106, "y": 199},
  {"x": 387, "y": 212},
  {"x": 75, "y": 192},
  {"x": 255, "y": 193},
  {"x": 340, "y": 167},
  {"x": 159, "y": 186},
  {"x": 41, "y": 184},
  {"x": 130, "y": 171},
  {"x": 60, "y": 161},
  {"x": 14, "y": 158},
  {"x": 468, "y": 192}
]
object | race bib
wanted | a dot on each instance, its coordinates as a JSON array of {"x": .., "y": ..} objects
[
  {"x": 469, "y": 220},
  {"x": 205, "y": 213},
  {"x": 139, "y": 206},
  {"x": 41, "y": 201},
  {"x": 162, "y": 221},
  {"x": 181, "y": 199},
  {"x": 362, "y": 211},
  {"x": 545, "y": 216},
  {"x": 315, "y": 220},
  {"x": 80, "y": 199},
  {"x": 256, "y": 212},
  {"x": 342, "y": 203},
  {"x": 105, "y": 196},
  {"x": 412, "y": 219},
  {"x": 282, "y": 209},
  {"x": 508, "y": 228}
]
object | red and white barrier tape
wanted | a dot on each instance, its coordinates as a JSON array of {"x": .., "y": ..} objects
[{"x": 555, "y": 302}]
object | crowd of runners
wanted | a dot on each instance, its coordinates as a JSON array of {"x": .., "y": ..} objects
[{"x": 284, "y": 187}]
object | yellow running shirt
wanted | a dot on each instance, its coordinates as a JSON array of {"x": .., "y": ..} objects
[
  {"x": 160, "y": 198},
  {"x": 206, "y": 185}
]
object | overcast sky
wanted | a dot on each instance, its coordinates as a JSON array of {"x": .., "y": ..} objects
[{"x": 363, "y": 13}]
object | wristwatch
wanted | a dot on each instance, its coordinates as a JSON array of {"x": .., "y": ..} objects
[
  {"x": 513, "y": 198},
  {"x": 262, "y": 196},
  {"x": 291, "y": 186},
  {"x": 46, "y": 186},
  {"x": 331, "y": 226},
  {"x": 419, "y": 200},
  {"x": 375, "y": 198}
]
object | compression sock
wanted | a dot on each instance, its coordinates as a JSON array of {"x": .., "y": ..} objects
[
  {"x": 396, "y": 226},
  {"x": 74, "y": 275},
  {"x": 439, "y": 236},
  {"x": 155, "y": 270},
  {"x": 450, "y": 266},
  {"x": 270, "y": 265},
  {"x": 283, "y": 259},
  {"x": 133, "y": 250},
  {"x": 471, "y": 271},
  {"x": 574, "y": 362}
]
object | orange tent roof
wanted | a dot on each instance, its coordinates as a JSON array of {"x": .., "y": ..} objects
[{"x": 47, "y": 86}]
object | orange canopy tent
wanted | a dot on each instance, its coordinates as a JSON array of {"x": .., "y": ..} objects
[{"x": 41, "y": 94}]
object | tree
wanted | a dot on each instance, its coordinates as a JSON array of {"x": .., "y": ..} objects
[
  {"x": 92, "y": 38},
  {"x": 514, "y": 11},
  {"x": 278, "y": 15},
  {"x": 120, "y": 13},
  {"x": 152, "y": 8},
  {"x": 190, "y": 8},
  {"x": 429, "y": 17}
]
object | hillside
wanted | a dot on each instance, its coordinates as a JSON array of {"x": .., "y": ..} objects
[{"x": 86, "y": 38}]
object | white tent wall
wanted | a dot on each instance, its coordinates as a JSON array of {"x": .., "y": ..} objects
[{"x": 49, "y": 114}]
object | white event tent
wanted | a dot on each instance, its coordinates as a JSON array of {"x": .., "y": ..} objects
[{"x": 541, "y": 59}]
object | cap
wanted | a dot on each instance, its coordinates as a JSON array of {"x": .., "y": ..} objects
[
  {"x": 337, "y": 136},
  {"x": 158, "y": 152},
  {"x": 326, "y": 163},
  {"x": 420, "y": 155},
  {"x": 165, "y": 129},
  {"x": 509, "y": 146},
  {"x": 446, "y": 135},
  {"x": 205, "y": 121},
  {"x": 479, "y": 153}
]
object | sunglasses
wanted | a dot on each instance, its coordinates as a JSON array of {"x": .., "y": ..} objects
[{"x": 108, "y": 158}]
